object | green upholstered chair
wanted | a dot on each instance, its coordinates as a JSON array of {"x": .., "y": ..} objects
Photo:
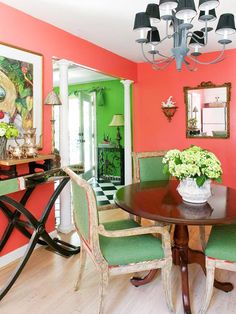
[
  {"x": 219, "y": 133},
  {"x": 117, "y": 247},
  {"x": 220, "y": 253},
  {"x": 148, "y": 166}
]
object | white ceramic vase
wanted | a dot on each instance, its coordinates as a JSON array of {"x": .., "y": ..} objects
[{"x": 192, "y": 193}]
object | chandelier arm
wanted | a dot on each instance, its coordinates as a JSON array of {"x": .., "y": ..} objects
[
  {"x": 189, "y": 35},
  {"x": 161, "y": 55},
  {"x": 193, "y": 68},
  {"x": 156, "y": 67},
  {"x": 218, "y": 59},
  {"x": 206, "y": 33},
  {"x": 153, "y": 61},
  {"x": 167, "y": 37},
  {"x": 205, "y": 36}
]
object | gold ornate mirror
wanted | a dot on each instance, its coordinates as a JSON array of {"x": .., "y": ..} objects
[{"x": 207, "y": 110}]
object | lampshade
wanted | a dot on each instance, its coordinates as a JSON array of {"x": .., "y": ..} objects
[
  {"x": 210, "y": 16},
  {"x": 141, "y": 21},
  {"x": 226, "y": 24},
  {"x": 167, "y": 5},
  {"x": 52, "y": 99},
  {"x": 206, "y": 5},
  {"x": 153, "y": 12},
  {"x": 195, "y": 109},
  {"x": 153, "y": 36},
  {"x": 117, "y": 120},
  {"x": 195, "y": 41},
  {"x": 185, "y": 9}
]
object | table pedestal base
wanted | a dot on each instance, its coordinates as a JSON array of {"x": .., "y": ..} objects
[{"x": 182, "y": 256}]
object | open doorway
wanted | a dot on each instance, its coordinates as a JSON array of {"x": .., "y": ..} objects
[{"x": 94, "y": 99}]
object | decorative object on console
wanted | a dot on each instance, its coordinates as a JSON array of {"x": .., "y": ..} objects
[
  {"x": 52, "y": 99},
  {"x": 178, "y": 16},
  {"x": 21, "y": 89},
  {"x": 7, "y": 131},
  {"x": 194, "y": 167},
  {"x": 118, "y": 121},
  {"x": 15, "y": 152},
  {"x": 30, "y": 147},
  {"x": 169, "y": 108}
]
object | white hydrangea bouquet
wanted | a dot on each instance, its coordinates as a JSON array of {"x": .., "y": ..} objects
[{"x": 193, "y": 162}]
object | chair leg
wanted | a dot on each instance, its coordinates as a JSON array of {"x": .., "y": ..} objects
[
  {"x": 210, "y": 274},
  {"x": 82, "y": 261},
  {"x": 103, "y": 288},
  {"x": 202, "y": 234},
  {"x": 166, "y": 280}
]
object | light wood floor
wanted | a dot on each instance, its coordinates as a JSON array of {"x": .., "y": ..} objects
[{"x": 46, "y": 286}]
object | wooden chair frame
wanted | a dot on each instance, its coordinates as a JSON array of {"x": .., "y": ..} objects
[
  {"x": 136, "y": 165},
  {"x": 211, "y": 265},
  {"x": 92, "y": 248}
]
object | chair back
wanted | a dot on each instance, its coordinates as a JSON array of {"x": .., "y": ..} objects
[
  {"x": 148, "y": 166},
  {"x": 84, "y": 210}
]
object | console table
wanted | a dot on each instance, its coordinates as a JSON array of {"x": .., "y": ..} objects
[
  {"x": 8, "y": 167},
  {"x": 110, "y": 163},
  {"x": 30, "y": 226}
]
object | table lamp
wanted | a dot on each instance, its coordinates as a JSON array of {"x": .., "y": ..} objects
[
  {"x": 195, "y": 110},
  {"x": 117, "y": 120},
  {"x": 53, "y": 99}
]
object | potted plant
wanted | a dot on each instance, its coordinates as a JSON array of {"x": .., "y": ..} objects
[
  {"x": 7, "y": 131},
  {"x": 195, "y": 168}
]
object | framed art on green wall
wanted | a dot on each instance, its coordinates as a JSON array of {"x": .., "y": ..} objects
[{"x": 21, "y": 89}]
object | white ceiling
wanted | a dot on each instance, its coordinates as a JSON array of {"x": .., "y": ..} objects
[{"x": 108, "y": 23}]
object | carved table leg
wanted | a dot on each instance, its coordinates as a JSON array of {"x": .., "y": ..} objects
[{"x": 180, "y": 257}]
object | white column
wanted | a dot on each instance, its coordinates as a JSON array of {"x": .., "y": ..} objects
[
  {"x": 65, "y": 196},
  {"x": 128, "y": 139}
]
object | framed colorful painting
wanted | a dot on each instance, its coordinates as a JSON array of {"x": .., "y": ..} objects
[{"x": 21, "y": 89}]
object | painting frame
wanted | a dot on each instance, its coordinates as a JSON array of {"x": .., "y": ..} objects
[{"x": 35, "y": 60}]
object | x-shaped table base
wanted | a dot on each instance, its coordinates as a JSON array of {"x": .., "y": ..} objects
[{"x": 39, "y": 234}]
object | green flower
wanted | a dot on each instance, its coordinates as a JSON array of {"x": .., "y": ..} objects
[{"x": 193, "y": 162}]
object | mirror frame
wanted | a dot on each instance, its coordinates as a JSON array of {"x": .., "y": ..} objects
[{"x": 205, "y": 85}]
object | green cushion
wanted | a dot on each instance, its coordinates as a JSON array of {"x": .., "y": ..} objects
[
  {"x": 151, "y": 169},
  {"x": 80, "y": 207},
  {"x": 222, "y": 243},
  {"x": 9, "y": 186},
  {"x": 133, "y": 249}
]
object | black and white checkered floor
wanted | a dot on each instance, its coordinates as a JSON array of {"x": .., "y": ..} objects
[{"x": 104, "y": 191}]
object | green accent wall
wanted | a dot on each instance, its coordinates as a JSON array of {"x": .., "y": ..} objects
[{"x": 113, "y": 104}]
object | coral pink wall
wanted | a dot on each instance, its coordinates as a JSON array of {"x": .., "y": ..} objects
[
  {"x": 24, "y": 31},
  {"x": 154, "y": 132}
]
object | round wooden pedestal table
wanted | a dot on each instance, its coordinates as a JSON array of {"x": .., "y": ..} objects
[{"x": 160, "y": 201}]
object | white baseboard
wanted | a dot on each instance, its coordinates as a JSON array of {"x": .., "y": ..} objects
[{"x": 18, "y": 253}]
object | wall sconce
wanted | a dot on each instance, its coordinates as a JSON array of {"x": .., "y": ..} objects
[
  {"x": 169, "y": 108},
  {"x": 169, "y": 112}
]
